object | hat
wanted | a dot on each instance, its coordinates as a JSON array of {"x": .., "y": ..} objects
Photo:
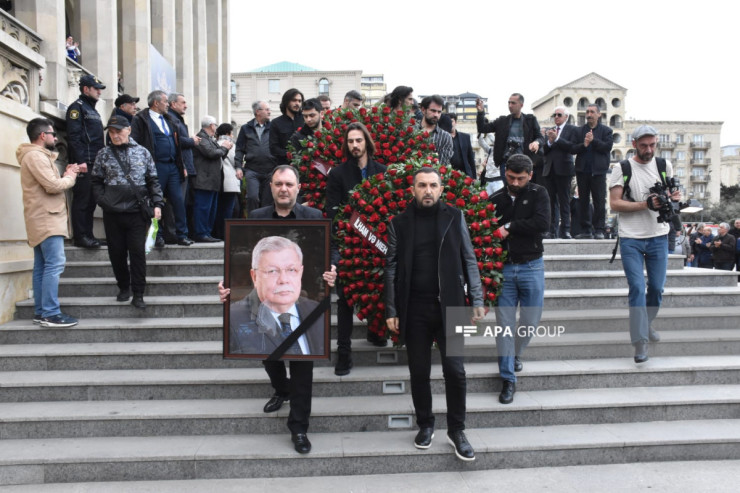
[
  {"x": 118, "y": 121},
  {"x": 91, "y": 81},
  {"x": 125, "y": 98},
  {"x": 642, "y": 131}
]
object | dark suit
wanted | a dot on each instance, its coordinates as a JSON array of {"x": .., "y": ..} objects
[
  {"x": 421, "y": 321},
  {"x": 592, "y": 164},
  {"x": 463, "y": 158},
  {"x": 501, "y": 126},
  {"x": 299, "y": 386},
  {"x": 558, "y": 171}
]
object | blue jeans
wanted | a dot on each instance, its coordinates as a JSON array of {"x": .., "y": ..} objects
[
  {"x": 644, "y": 305},
  {"x": 524, "y": 285},
  {"x": 48, "y": 265},
  {"x": 205, "y": 206},
  {"x": 169, "y": 180}
]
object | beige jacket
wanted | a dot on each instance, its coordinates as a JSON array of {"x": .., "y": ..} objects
[{"x": 44, "y": 201}]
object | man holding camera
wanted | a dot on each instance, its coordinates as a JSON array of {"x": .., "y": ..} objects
[{"x": 642, "y": 239}]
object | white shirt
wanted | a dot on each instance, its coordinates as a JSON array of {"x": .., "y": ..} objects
[
  {"x": 295, "y": 321},
  {"x": 158, "y": 120}
]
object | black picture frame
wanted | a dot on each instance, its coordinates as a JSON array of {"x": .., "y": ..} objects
[{"x": 249, "y": 332}]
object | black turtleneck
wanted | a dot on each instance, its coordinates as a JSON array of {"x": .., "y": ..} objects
[{"x": 424, "y": 272}]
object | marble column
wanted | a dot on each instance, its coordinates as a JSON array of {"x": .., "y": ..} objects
[
  {"x": 225, "y": 65},
  {"x": 214, "y": 28},
  {"x": 99, "y": 45},
  {"x": 163, "y": 28},
  {"x": 134, "y": 34},
  {"x": 200, "y": 63},
  {"x": 47, "y": 16},
  {"x": 184, "y": 58}
]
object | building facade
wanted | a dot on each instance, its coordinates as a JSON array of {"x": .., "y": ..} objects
[
  {"x": 730, "y": 165},
  {"x": 373, "y": 89},
  {"x": 174, "y": 45}
]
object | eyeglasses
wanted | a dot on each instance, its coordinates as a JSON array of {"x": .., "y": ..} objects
[
  {"x": 54, "y": 134},
  {"x": 558, "y": 115},
  {"x": 274, "y": 273}
]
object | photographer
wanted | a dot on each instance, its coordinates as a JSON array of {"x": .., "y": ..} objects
[
  {"x": 516, "y": 133},
  {"x": 642, "y": 239}
]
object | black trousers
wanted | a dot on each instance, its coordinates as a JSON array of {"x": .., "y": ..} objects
[
  {"x": 344, "y": 322},
  {"x": 297, "y": 387},
  {"x": 125, "y": 233},
  {"x": 424, "y": 325},
  {"x": 558, "y": 187},
  {"x": 83, "y": 206},
  {"x": 592, "y": 187},
  {"x": 168, "y": 213}
]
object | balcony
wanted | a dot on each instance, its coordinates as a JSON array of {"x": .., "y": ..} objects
[
  {"x": 699, "y": 178},
  {"x": 701, "y": 162},
  {"x": 700, "y": 145},
  {"x": 667, "y": 145}
]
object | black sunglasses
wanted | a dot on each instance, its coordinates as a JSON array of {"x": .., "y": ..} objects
[
  {"x": 50, "y": 133},
  {"x": 557, "y": 115}
]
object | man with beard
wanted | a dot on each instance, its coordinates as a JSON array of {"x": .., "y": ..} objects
[
  {"x": 45, "y": 215},
  {"x": 84, "y": 139},
  {"x": 312, "y": 114},
  {"x": 430, "y": 261},
  {"x": 360, "y": 148},
  {"x": 284, "y": 126},
  {"x": 353, "y": 99},
  {"x": 593, "y": 154},
  {"x": 431, "y": 109},
  {"x": 643, "y": 241},
  {"x": 524, "y": 207}
]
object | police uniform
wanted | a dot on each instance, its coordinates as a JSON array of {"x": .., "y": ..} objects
[{"x": 85, "y": 137}]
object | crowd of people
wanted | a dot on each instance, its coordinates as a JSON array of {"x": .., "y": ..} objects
[{"x": 151, "y": 166}]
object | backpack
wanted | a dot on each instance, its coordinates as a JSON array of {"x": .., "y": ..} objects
[{"x": 627, "y": 175}]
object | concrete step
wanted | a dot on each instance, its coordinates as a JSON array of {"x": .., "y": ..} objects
[
  {"x": 574, "y": 299},
  {"x": 383, "y": 452},
  {"x": 252, "y": 382},
  {"x": 196, "y": 251},
  {"x": 673, "y": 477},
  {"x": 595, "y": 262},
  {"x": 209, "y": 354},
  {"x": 363, "y": 413},
  {"x": 155, "y": 286},
  {"x": 611, "y": 279}
]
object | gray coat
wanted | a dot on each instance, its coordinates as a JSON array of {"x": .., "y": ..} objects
[{"x": 207, "y": 160}]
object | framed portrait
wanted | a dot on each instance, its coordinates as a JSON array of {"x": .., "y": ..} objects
[{"x": 279, "y": 306}]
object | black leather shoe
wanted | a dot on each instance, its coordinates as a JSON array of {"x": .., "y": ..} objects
[
  {"x": 214, "y": 240},
  {"x": 86, "y": 242},
  {"x": 138, "y": 302},
  {"x": 344, "y": 364},
  {"x": 586, "y": 236},
  {"x": 423, "y": 439},
  {"x": 567, "y": 236},
  {"x": 518, "y": 364},
  {"x": 123, "y": 295},
  {"x": 653, "y": 336},
  {"x": 184, "y": 241},
  {"x": 159, "y": 242},
  {"x": 302, "y": 445},
  {"x": 641, "y": 352},
  {"x": 507, "y": 393},
  {"x": 463, "y": 449},
  {"x": 100, "y": 242},
  {"x": 599, "y": 236},
  {"x": 376, "y": 340},
  {"x": 275, "y": 403}
]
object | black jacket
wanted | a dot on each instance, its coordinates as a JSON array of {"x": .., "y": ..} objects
[
  {"x": 528, "y": 218},
  {"x": 457, "y": 265},
  {"x": 601, "y": 148},
  {"x": 467, "y": 156},
  {"x": 207, "y": 160},
  {"x": 500, "y": 126},
  {"x": 281, "y": 129},
  {"x": 344, "y": 178},
  {"x": 141, "y": 132},
  {"x": 187, "y": 144},
  {"x": 85, "y": 136},
  {"x": 253, "y": 152},
  {"x": 726, "y": 250},
  {"x": 300, "y": 211},
  {"x": 559, "y": 155}
]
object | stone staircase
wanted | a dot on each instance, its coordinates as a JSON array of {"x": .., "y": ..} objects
[{"x": 133, "y": 395}]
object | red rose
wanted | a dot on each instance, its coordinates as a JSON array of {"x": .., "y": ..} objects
[
  {"x": 498, "y": 250},
  {"x": 497, "y": 233},
  {"x": 450, "y": 196},
  {"x": 460, "y": 203}
]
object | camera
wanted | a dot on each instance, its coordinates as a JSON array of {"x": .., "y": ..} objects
[
  {"x": 512, "y": 147},
  {"x": 668, "y": 211}
]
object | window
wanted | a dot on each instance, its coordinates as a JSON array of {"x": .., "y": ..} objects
[
  {"x": 583, "y": 104},
  {"x": 664, "y": 138},
  {"x": 679, "y": 138},
  {"x": 630, "y": 153},
  {"x": 680, "y": 172},
  {"x": 680, "y": 155},
  {"x": 698, "y": 172},
  {"x": 617, "y": 138},
  {"x": 568, "y": 102},
  {"x": 273, "y": 85},
  {"x": 665, "y": 154},
  {"x": 616, "y": 102},
  {"x": 698, "y": 139},
  {"x": 698, "y": 156},
  {"x": 233, "y": 91},
  {"x": 324, "y": 87},
  {"x": 601, "y": 104}
]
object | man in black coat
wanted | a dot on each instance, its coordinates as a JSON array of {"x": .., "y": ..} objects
[
  {"x": 593, "y": 148},
  {"x": 463, "y": 157},
  {"x": 253, "y": 154},
  {"x": 525, "y": 220},
  {"x": 359, "y": 148},
  {"x": 430, "y": 260},
  {"x": 516, "y": 133},
  {"x": 297, "y": 389},
  {"x": 284, "y": 126},
  {"x": 558, "y": 170},
  {"x": 84, "y": 140},
  {"x": 178, "y": 107}
]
